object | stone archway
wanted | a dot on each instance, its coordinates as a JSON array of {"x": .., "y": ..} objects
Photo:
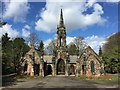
[
  {"x": 36, "y": 69},
  {"x": 84, "y": 69},
  {"x": 71, "y": 70},
  {"x": 60, "y": 67},
  {"x": 49, "y": 69}
]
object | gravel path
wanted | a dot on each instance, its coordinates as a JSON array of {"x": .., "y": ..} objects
[{"x": 62, "y": 82}]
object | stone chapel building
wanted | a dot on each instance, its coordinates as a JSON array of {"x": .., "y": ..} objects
[{"x": 62, "y": 64}]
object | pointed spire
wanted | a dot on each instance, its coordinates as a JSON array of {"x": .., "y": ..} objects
[
  {"x": 100, "y": 51},
  {"x": 61, "y": 19}
]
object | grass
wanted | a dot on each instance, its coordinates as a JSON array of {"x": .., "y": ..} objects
[
  {"x": 25, "y": 77},
  {"x": 101, "y": 78}
]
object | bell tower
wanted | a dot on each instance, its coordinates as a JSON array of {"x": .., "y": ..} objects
[{"x": 61, "y": 35}]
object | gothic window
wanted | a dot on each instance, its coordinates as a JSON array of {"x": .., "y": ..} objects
[
  {"x": 25, "y": 67},
  {"x": 61, "y": 41},
  {"x": 92, "y": 67},
  {"x": 84, "y": 69},
  {"x": 84, "y": 58}
]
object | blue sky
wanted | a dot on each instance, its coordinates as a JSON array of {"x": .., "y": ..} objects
[{"x": 95, "y": 21}]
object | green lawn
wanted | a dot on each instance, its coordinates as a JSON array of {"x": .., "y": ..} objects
[
  {"x": 101, "y": 78},
  {"x": 28, "y": 78}
]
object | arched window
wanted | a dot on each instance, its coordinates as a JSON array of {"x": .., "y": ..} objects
[
  {"x": 61, "y": 40},
  {"x": 84, "y": 69},
  {"x": 92, "y": 67},
  {"x": 25, "y": 67}
]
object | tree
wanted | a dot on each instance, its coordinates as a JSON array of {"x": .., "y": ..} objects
[
  {"x": 41, "y": 47},
  {"x": 19, "y": 50},
  {"x": 111, "y": 53},
  {"x": 2, "y": 23},
  {"x": 80, "y": 44},
  {"x": 12, "y": 51},
  {"x": 72, "y": 49},
  {"x": 7, "y": 65},
  {"x": 51, "y": 48},
  {"x": 33, "y": 39}
]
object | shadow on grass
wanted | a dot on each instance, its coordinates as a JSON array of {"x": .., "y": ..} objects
[{"x": 7, "y": 81}]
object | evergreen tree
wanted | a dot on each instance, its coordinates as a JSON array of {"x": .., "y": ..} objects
[
  {"x": 12, "y": 51},
  {"x": 41, "y": 47},
  {"x": 72, "y": 49},
  {"x": 7, "y": 56},
  {"x": 19, "y": 50}
]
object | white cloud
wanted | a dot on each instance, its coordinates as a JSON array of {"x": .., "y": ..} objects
[
  {"x": 13, "y": 33},
  {"x": 69, "y": 39},
  {"x": 95, "y": 41},
  {"x": 46, "y": 43},
  {"x": 73, "y": 14},
  {"x": 112, "y": 1},
  {"x": 27, "y": 27},
  {"x": 26, "y": 31},
  {"x": 16, "y": 10}
]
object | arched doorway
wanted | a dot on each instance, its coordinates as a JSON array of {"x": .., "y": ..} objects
[
  {"x": 49, "y": 70},
  {"x": 84, "y": 69},
  {"x": 36, "y": 69},
  {"x": 71, "y": 70},
  {"x": 92, "y": 67},
  {"x": 61, "y": 67}
]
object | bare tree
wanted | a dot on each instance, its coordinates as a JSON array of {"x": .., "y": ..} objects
[
  {"x": 51, "y": 48},
  {"x": 34, "y": 39},
  {"x": 80, "y": 44}
]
